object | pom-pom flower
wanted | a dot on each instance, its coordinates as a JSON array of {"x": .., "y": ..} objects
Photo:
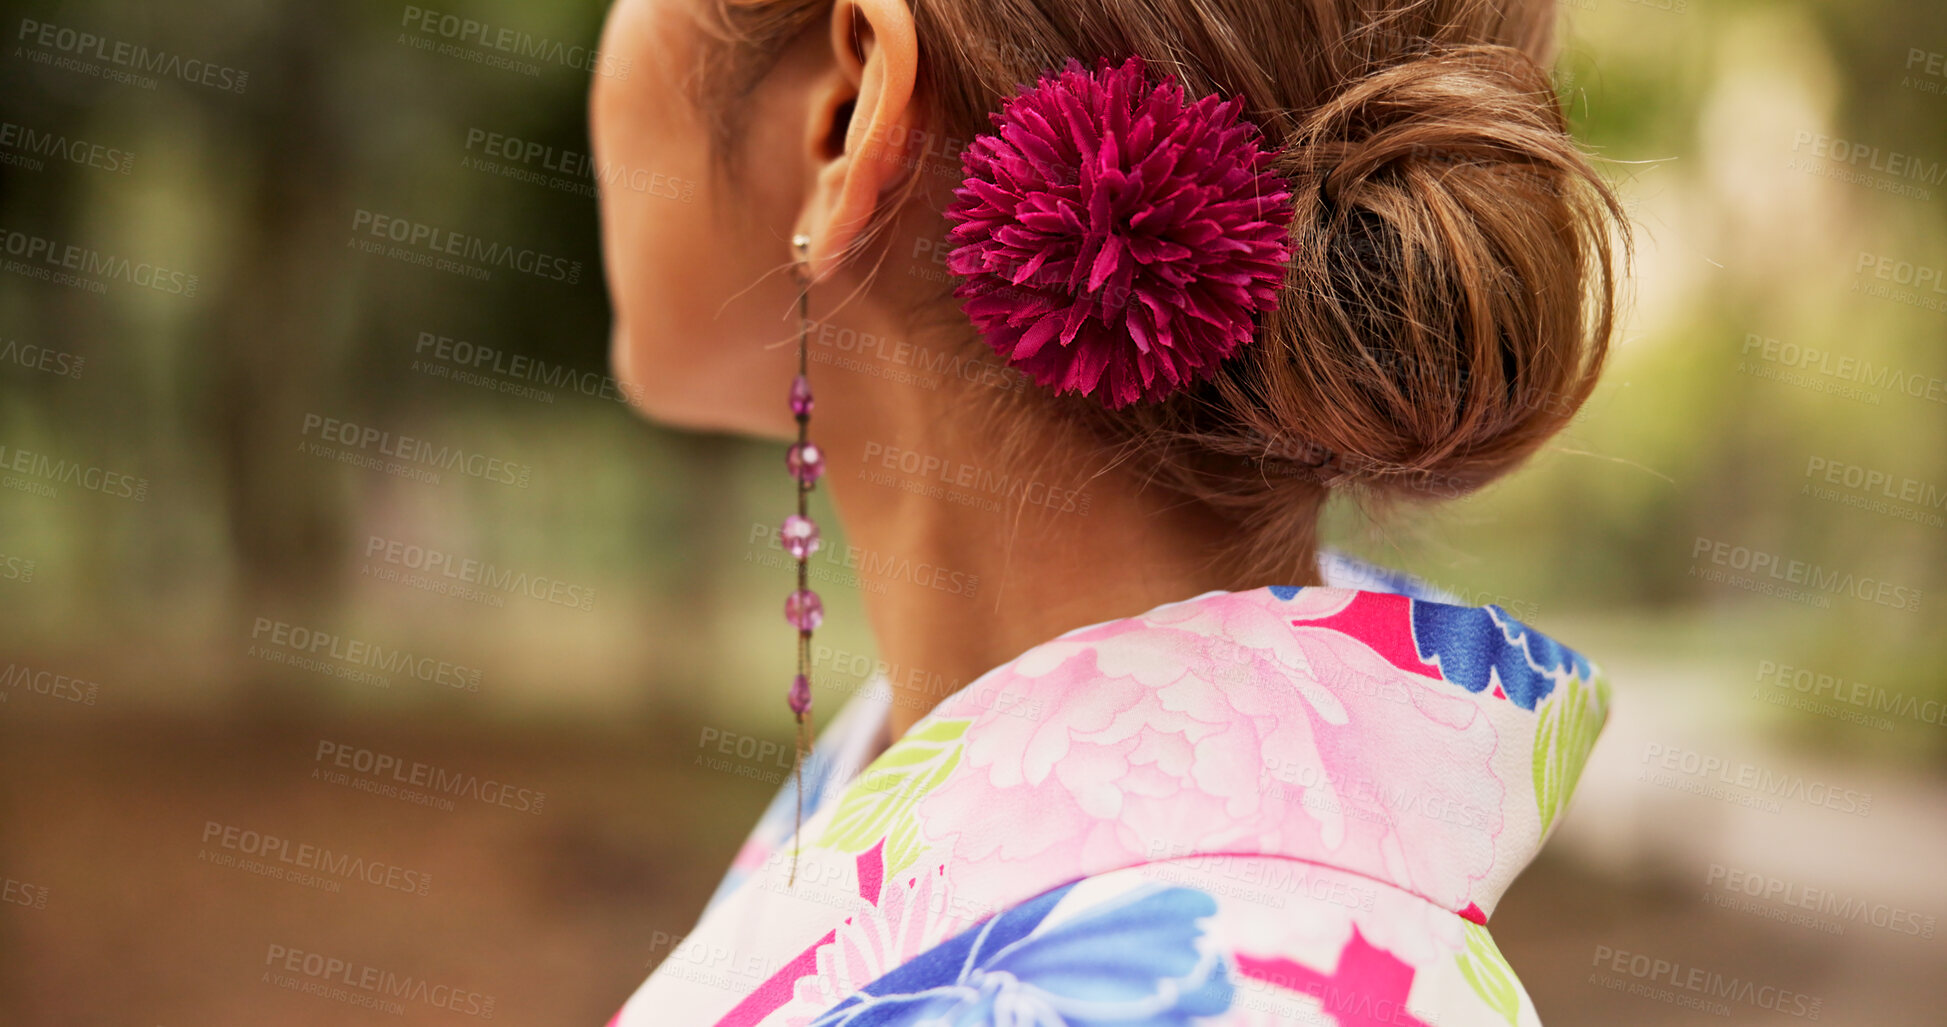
[{"x": 1115, "y": 239}]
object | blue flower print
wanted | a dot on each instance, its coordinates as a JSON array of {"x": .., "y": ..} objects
[
  {"x": 1475, "y": 645},
  {"x": 1131, "y": 961}
]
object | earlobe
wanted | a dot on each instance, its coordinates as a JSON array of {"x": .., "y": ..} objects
[{"x": 874, "y": 62}]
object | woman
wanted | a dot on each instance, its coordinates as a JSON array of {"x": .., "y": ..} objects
[{"x": 1096, "y": 305}]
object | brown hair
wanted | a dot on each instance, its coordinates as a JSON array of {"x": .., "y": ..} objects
[{"x": 1452, "y": 291}]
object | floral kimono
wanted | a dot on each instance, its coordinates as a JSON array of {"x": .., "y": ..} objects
[{"x": 1287, "y": 805}]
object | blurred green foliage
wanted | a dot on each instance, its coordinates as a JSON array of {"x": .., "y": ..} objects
[{"x": 1695, "y": 108}]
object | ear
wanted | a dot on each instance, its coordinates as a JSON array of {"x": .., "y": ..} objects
[{"x": 861, "y": 126}]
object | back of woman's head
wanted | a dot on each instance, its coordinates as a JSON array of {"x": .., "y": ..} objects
[{"x": 1449, "y": 301}]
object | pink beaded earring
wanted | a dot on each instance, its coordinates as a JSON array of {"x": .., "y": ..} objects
[{"x": 799, "y": 536}]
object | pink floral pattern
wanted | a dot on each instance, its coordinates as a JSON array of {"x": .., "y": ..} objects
[
  {"x": 912, "y": 914},
  {"x": 1348, "y": 778},
  {"x": 1170, "y": 738}
]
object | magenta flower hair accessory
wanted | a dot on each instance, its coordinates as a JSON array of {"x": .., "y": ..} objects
[{"x": 1115, "y": 238}]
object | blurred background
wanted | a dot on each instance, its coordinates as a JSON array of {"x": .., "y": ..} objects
[{"x": 220, "y": 616}]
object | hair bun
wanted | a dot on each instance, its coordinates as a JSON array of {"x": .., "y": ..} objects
[
  {"x": 1439, "y": 321},
  {"x": 1477, "y": 104}
]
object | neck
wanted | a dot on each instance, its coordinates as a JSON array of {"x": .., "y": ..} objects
[{"x": 969, "y": 556}]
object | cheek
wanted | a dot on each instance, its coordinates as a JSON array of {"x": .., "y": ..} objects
[{"x": 695, "y": 311}]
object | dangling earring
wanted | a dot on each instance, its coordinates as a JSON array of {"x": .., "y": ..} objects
[{"x": 799, "y": 535}]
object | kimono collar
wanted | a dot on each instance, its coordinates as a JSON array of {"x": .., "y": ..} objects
[{"x": 1424, "y": 744}]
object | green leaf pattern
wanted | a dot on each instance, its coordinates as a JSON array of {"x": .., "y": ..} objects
[
  {"x": 1567, "y": 729},
  {"x": 1488, "y": 973},
  {"x": 879, "y": 802}
]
